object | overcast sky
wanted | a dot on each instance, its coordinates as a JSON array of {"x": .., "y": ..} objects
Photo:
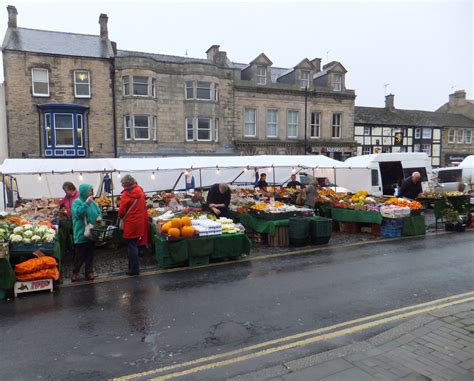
[{"x": 422, "y": 49}]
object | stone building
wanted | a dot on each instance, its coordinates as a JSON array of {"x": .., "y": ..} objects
[
  {"x": 458, "y": 141},
  {"x": 387, "y": 129},
  {"x": 58, "y": 91},
  {"x": 74, "y": 95}
]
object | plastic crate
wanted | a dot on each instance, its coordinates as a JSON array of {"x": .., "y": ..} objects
[
  {"x": 320, "y": 230},
  {"x": 22, "y": 248},
  {"x": 198, "y": 261},
  {"x": 393, "y": 223},
  {"x": 390, "y": 232}
]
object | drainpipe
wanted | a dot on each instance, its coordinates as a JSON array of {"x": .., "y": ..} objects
[{"x": 112, "y": 76}]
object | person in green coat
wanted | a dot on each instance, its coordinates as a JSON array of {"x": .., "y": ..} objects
[{"x": 84, "y": 208}]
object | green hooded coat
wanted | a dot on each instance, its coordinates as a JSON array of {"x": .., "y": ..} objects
[{"x": 81, "y": 210}]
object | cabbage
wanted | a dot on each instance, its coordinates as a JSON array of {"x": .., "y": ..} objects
[
  {"x": 35, "y": 239},
  {"x": 28, "y": 234},
  {"x": 18, "y": 230}
]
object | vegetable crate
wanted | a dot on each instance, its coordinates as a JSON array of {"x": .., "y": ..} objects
[
  {"x": 348, "y": 227},
  {"x": 281, "y": 237},
  {"x": 390, "y": 232},
  {"x": 23, "y": 248},
  {"x": 320, "y": 230}
]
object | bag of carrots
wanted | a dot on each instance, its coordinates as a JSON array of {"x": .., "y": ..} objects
[
  {"x": 35, "y": 264},
  {"x": 41, "y": 274}
]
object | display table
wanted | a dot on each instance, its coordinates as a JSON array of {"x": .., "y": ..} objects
[
  {"x": 261, "y": 226},
  {"x": 350, "y": 215},
  {"x": 194, "y": 251}
]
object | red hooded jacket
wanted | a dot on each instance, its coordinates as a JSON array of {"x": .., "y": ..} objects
[
  {"x": 67, "y": 201},
  {"x": 136, "y": 222}
]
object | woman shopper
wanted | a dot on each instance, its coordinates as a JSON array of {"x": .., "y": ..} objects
[
  {"x": 84, "y": 211},
  {"x": 65, "y": 222},
  {"x": 135, "y": 221}
]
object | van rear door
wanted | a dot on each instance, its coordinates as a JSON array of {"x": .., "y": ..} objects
[{"x": 391, "y": 173}]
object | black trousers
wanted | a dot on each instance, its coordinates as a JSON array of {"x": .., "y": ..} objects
[{"x": 84, "y": 253}]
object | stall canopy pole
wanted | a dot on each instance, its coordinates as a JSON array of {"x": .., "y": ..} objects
[
  {"x": 240, "y": 174},
  {"x": 112, "y": 190},
  {"x": 274, "y": 182},
  {"x": 11, "y": 187},
  {"x": 4, "y": 192},
  {"x": 335, "y": 180},
  {"x": 200, "y": 179},
  {"x": 177, "y": 181}
]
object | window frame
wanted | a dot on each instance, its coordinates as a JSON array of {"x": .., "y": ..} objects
[
  {"x": 273, "y": 124},
  {"x": 81, "y": 83},
  {"x": 215, "y": 136},
  {"x": 369, "y": 148},
  {"x": 209, "y": 129},
  {"x": 47, "y": 123},
  {"x": 304, "y": 82},
  {"x": 153, "y": 87},
  {"x": 216, "y": 92},
  {"x": 260, "y": 75},
  {"x": 33, "y": 82},
  {"x": 187, "y": 129},
  {"x": 296, "y": 112},
  {"x": 141, "y": 127},
  {"x": 336, "y": 127},
  {"x": 127, "y": 126},
  {"x": 452, "y": 139},
  {"x": 460, "y": 134},
  {"x": 141, "y": 84},
  {"x": 337, "y": 84},
  {"x": 186, "y": 88},
  {"x": 126, "y": 85},
  {"x": 317, "y": 125},
  {"x": 254, "y": 122},
  {"x": 429, "y": 135},
  {"x": 80, "y": 127},
  {"x": 417, "y": 134},
  {"x": 465, "y": 136},
  {"x": 73, "y": 145},
  {"x": 154, "y": 127},
  {"x": 367, "y": 131},
  {"x": 426, "y": 148},
  {"x": 200, "y": 87}
]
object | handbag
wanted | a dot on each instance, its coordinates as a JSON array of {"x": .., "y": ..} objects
[
  {"x": 122, "y": 220},
  {"x": 88, "y": 229}
]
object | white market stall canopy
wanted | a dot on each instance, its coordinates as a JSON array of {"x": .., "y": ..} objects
[{"x": 44, "y": 177}]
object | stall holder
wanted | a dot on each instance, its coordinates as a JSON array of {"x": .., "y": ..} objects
[{"x": 199, "y": 251}]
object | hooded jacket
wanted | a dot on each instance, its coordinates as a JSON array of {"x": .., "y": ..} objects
[
  {"x": 136, "y": 221},
  {"x": 67, "y": 201},
  {"x": 82, "y": 210}
]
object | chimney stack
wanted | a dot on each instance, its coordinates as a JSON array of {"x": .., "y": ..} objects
[
  {"x": 212, "y": 52},
  {"x": 390, "y": 101},
  {"x": 104, "y": 32},
  {"x": 458, "y": 97},
  {"x": 317, "y": 64},
  {"x": 12, "y": 12}
]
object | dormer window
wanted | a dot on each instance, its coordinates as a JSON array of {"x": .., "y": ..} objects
[
  {"x": 261, "y": 75},
  {"x": 304, "y": 80},
  {"x": 337, "y": 85}
]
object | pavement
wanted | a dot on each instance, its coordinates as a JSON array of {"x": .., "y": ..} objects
[{"x": 434, "y": 346}]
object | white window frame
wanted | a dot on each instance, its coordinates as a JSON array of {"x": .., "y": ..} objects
[
  {"x": 186, "y": 87},
  {"x": 460, "y": 136},
  {"x": 154, "y": 128},
  {"x": 428, "y": 133},
  {"x": 316, "y": 126},
  {"x": 216, "y": 130},
  {"x": 452, "y": 136},
  {"x": 288, "y": 125},
  {"x": 261, "y": 79},
  {"x": 147, "y": 86},
  {"x": 304, "y": 82},
  {"x": 416, "y": 147},
  {"x": 187, "y": 129},
  {"x": 72, "y": 130},
  {"x": 386, "y": 149},
  {"x": 33, "y": 81},
  {"x": 250, "y": 122},
  {"x": 81, "y": 83},
  {"x": 126, "y": 85},
  {"x": 466, "y": 140},
  {"x": 366, "y": 150},
  {"x": 337, "y": 85},
  {"x": 272, "y": 124},
  {"x": 216, "y": 92},
  {"x": 153, "y": 87},
  {"x": 336, "y": 127},
  {"x": 201, "y": 87},
  {"x": 127, "y": 126},
  {"x": 141, "y": 128},
  {"x": 426, "y": 148},
  {"x": 366, "y": 131},
  {"x": 197, "y": 128},
  {"x": 417, "y": 133}
]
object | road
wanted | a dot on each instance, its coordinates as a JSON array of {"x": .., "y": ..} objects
[{"x": 128, "y": 326}]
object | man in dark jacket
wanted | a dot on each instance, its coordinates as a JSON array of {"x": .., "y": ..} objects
[
  {"x": 218, "y": 199},
  {"x": 411, "y": 186}
]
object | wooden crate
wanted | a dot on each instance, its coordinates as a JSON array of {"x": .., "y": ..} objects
[
  {"x": 281, "y": 237},
  {"x": 349, "y": 227},
  {"x": 33, "y": 286}
]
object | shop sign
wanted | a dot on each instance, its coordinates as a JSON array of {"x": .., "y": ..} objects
[
  {"x": 398, "y": 138},
  {"x": 35, "y": 285},
  {"x": 456, "y": 158},
  {"x": 332, "y": 149}
]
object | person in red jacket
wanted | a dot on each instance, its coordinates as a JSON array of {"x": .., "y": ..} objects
[
  {"x": 65, "y": 223},
  {"x": 135, "y": 217}
]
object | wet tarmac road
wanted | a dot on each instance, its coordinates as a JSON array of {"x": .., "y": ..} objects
[{"x": 127, "y": 326}]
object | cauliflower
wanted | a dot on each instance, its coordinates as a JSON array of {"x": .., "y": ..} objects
[
  {"x": 26, "y": 241},
  {"x": 48, "y": 238},
  {"x": 18, "y": 230},
  {"x": 15, "y": 238},
  {"x": 27, "y": 227},
  {"x": 28, "y": 234},
  {"x": 42, "y": 229},
  {"x": 35, "y": 239},
  {"x": 50, "y": 231}
]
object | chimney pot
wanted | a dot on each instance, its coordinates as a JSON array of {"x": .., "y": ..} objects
[
  {"x": 104, "y": 32},
  {"x": 12, "y": 12},
  {"x": 212, "y": 52},
  {"x": 390, "y": 101}
]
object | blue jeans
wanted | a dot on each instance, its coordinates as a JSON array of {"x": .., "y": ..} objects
[{"x": 133, "y": 263}]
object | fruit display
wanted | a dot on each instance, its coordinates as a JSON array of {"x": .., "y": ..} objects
[
  {"x": 179, "y": 227},
  {"x": 402, "y": 202},
  {"x": 207, "y": 227},
  {"x": 104, "y": 201},
  {"x": 228, "y": 226}
]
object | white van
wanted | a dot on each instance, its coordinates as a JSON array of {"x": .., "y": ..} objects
[
  {"x": 379, "y": 174},
  {"x": 448, "y": 178}
]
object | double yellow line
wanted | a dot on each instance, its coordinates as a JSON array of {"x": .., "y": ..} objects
[{"x": 295, "y": 341}]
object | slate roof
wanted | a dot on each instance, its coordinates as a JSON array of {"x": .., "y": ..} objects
[
  {"x": 161, "y": 57},
  {"x": 380, "y": 115},
  {"x": 60, "y": 43}
]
